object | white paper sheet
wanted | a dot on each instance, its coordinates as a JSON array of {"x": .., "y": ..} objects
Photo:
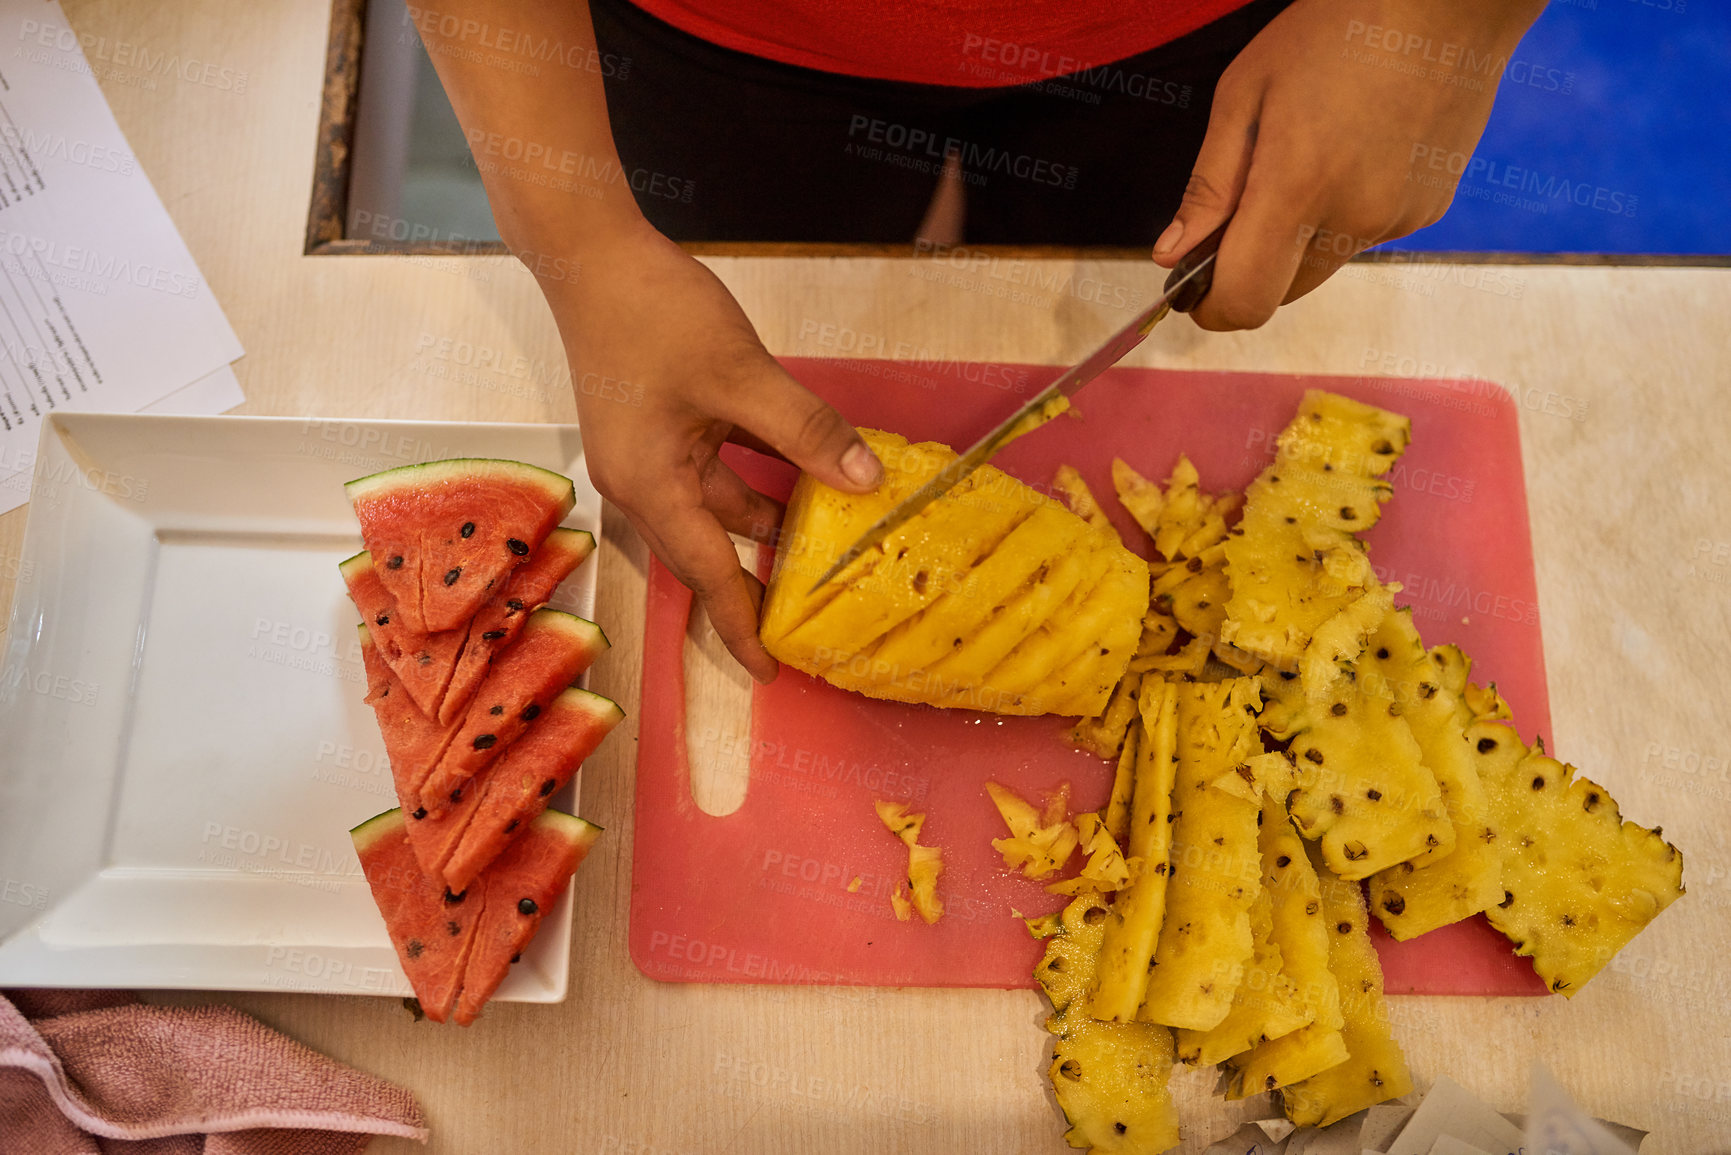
[{"x": 101, "y": 305}]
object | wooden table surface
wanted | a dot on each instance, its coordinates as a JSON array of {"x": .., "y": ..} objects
[{"x": 1623, "y": 379}]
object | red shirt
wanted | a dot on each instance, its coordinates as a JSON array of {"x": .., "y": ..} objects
[{"x": 959, "y": 43}]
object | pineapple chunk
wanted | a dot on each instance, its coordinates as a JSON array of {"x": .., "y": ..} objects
[
  {"x": 1105, "y": 871},
  {"x": 1412, "y": 898},
  {"x": 1124, "y": 779},
  {"x": 1301, "y": 933},
  {"x": 1295, "y": 561},
  {"x": 1205, "y": 940},
  {"x": 994, "y": 597},
  {"x": 1266, "y": 1004},
  {"x": 925, "y": 864},
  {"x": 1363, "y": 788},
  {"x": 1375, "y": 1070},
  {"x": 1104, "y": 736},
  {"x": 1037, "y": 847},
  {"x": 1579, "y": 882},
  {"x": 1139, "y": 495},
  {"x": 1133, "y": 926},
  {"x": 1109, "y": 1078}
]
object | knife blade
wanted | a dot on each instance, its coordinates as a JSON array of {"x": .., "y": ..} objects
[{"x": 1185, "y": 287}]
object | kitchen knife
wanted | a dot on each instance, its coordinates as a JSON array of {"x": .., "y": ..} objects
[{"x": 1185, "y": 287}]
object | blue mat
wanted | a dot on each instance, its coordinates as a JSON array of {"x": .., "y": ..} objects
[{"x": 1611, "y": 134}]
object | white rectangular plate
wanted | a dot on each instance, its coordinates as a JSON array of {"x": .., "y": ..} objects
[{"x": 183, "y": 744}]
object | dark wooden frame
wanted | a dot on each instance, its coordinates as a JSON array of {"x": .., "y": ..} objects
[{"x": 328, "y": 215}]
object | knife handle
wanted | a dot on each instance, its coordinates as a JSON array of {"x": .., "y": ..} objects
[{"x": 1192, "y": 293}]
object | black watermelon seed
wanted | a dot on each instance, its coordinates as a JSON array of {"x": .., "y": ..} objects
[
  {"x": 456, "y": 898},
  {"x": 485, "y": 741},
  {"x": 497, "y": 710},
  {"x": 530, "y": 712},
  {"x": 457, "y": 794},
  {"x": 414, "y": 948},
  {"x": 468, "y": 529},
  {"x": 514, "y": 606},
  {"x": 493, "y": 635},
  {"x": 382, "y": 620},
  {"x": 518, "y": 957},
  {"x": 547, "y": 786},
  {"x": 452, "y": 929},
  {"x": 527, "y": 906},
  {"x": 396, "y": 562},
  {"x": 424, "y": 658},
  {"x": 517, "y": 547},
  {"x": 420, "y": 812},
  {"x": 512, "y": 826},
  {"x": 451, "y": 575}
]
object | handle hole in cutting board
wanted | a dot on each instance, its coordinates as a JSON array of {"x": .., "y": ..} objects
[{"x": 717, "y": 715}]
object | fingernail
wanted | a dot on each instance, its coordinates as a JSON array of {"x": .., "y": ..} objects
[
  {"x": 861, "y": 465},
  {"x": 1169, "y": 239}
]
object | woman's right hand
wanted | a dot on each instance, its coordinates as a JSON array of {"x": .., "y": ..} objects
[{"x": 667, "y": 368}]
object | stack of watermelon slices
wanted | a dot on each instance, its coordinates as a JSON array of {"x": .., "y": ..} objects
[{"x": 469, "y": 677}]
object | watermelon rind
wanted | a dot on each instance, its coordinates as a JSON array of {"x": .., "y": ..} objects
[
  {"x": 376, "y": 827},
  {"x": 577, "y": 831},
  {"x": 582, "y": 629},
  {"x": 419, "y": 476},
  {"x": 595, "y": 705},
  {"x": 349, "y": 565}
]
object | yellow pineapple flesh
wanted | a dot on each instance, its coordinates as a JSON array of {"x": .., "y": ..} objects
[
  {"x": 1110, "y": 1079},
  {"x": 1375, "y": 1069},
  {"x": 1301, "y": 932},
  {"x": 925, "y": 864},
  {"x": 1579, "y": 881},
  {"x": 995, "y": 597},
  {"x": 1205, "y": 940},
  {"x": 1132, "y": 926},
  {"x": 1265, "y": 1005},
  {"x": 1295, "y": 560},
  {"x": 1412, "y": 898}
]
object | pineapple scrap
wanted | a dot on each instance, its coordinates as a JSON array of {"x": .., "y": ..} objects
[
  {"x": 1375, "y": 1070},
  {"x": 1037, "y": 847},
  {"x": 1363, "y": 787},
  {"x": 1110, "y": 1079},
  {"x": 1296, "y": 560},
  {"x": 1413, "y": 898},
  {"x": 1133, "y": 926},
  {"x": 995, "y": 597},
  {"x": 925, "y": 864},
  {"x": 1068, "y": 482},
  {"x": 1266, "y": 1004},
  {"x": 1205, "y": 940},
  {"x": 1579, "y": 882},
  {"x": 1105, "y": 871},
  {"x": 1301, "y": 932}
]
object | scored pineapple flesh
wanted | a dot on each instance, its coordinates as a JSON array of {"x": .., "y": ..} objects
[
  {"x": 1375, "y": 1070},
  {"x": 1295, "y": 560},
  {"x": 1132, "y": 925},
  {"x": 1412, "y": 898},
  {"x": 1300, "y": 930},
  {"x": 1205, "y": 940},
  {"x": 1578, "y": 880},
  {"x": 995, "y": 597},
  {"x": 1110, "y": 1079}
]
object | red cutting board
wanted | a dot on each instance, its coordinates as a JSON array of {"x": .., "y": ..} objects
[{"x": 793, "y": 887}]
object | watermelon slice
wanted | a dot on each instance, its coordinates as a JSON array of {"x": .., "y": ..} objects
[
  {"x": 553, "y": 649},
  {"x": 512, "y": 791},
  {"x": 445, "y": 532},
  {"x": 422, "y": 662},
  {"x": 457, "y": 948},
  {"x": 432, "y": 929},
  {"x": 413, "y": 741},
  {"x": 497, "y": 624},
  {"x": 428, "y": 665},
  {"x": 518, "y": 890}
]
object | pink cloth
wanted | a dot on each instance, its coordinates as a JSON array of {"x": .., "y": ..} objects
[{"x": 100, "y": 1073}]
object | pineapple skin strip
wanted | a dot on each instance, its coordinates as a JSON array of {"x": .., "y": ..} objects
[
  {"x": 1205, "y": 937},
  {"x": 1133, "y": 925},
  {"x": 1375, "y": 1070}
]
